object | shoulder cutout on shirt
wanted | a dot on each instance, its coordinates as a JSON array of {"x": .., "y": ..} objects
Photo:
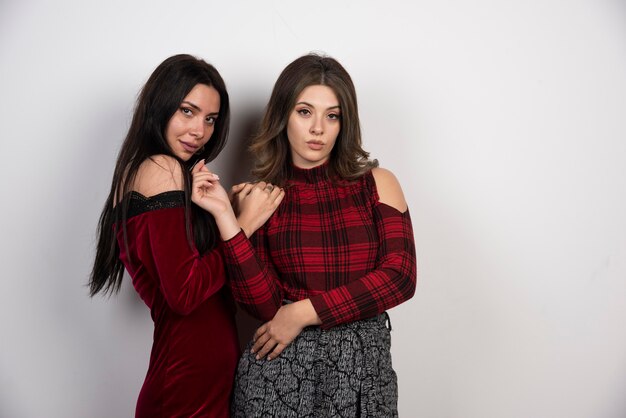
[
  {"x": 389, "y": 190},
  {"x": 158, "y": 174}
]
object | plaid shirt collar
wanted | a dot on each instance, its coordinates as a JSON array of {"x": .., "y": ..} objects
[{"x": 313, "y": 175}]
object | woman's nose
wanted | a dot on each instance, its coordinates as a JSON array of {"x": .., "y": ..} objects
[
  {"x": 197, "y": 127},
  {"x": 316, "y": 127}
]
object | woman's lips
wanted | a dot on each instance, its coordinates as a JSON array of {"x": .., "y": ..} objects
[
  {"x": 315, "y": 145},
  {"x": 189, "y": 147}
]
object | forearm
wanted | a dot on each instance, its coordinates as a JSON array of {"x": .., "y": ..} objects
[
  {"x": 253, "y": 283},
  {"x": 305, "y": 314},
  {"x": 247, "y": 228},
  {"x": 250, "y": 221},
  {"x": 364, "y": 298},
  {"x": 186, "y": 278},
  {"x": 227, "y": 223},
  {"x": 289, "y": 321},
  {"x": 389, "y": 284}
]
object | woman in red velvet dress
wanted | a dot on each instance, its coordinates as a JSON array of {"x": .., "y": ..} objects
[{"x": 170, "y": 247}]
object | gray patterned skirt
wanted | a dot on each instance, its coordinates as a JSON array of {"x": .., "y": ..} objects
[{"x": 344, "y": 371}]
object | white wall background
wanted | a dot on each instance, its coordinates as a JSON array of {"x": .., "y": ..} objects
[{"x": 505, "y": 121}]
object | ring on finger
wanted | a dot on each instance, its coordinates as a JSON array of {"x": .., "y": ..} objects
[{"x": 269, "y": 187}]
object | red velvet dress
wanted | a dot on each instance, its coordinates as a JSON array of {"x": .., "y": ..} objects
[{"x": 195, "y": 348}]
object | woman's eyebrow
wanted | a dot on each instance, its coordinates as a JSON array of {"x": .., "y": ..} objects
[
  {"x": 310, "y": 105},
  {"x": 195, "y": 106},
  {"x": 198, "y": 107}
]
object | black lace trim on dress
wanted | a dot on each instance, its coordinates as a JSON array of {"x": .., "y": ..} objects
[{"x": 141, "y": 204}]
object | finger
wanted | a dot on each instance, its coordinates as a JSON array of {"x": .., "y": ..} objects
[
  {"x": 198, "y": 166},
  {"x": 200, "y": 183},
  {"x": 260, "y": 185},
  {"x": 202, "y": 177},
  {"x": 269, "y": 346},
  {"x": 279, "y": 198},
  {"x": 259, "y": 343},
  {"x": 276, "y": 193},
  {"x": 238, "y": 187},
  {"x": 277, "y": 351},
  {"x": 260, "y": 331},
  {"x": 245, "y": 191},
  {"x": 205, "y": 169},
  {"x": 206, "y": 175}
]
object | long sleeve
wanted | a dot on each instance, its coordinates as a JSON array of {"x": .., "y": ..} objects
[
  {"x": 252, "y": 278},
  {"x": 190, "y": 372},
  {"x": 392, "y": 282},
  {"x": 330, "y": 241},
  {"x": 162, "y": 254}
]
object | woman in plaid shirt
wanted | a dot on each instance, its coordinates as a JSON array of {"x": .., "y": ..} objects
[{"x": 336, "y": 254}]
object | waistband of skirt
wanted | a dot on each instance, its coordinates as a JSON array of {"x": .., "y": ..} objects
[{"x": 382, "y": 318}]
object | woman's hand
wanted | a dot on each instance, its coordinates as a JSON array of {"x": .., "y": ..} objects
[
  {"x": 274, "y": 336},
  {"x": 254, "y": 203},
  {"x": 208, "y": 193},
  {"x": 206, "y": 190}
]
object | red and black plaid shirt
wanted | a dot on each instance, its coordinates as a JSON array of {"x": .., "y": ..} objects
[{"x": 332, "y": 242}]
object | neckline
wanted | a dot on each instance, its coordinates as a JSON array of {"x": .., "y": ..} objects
[
  {"x": 162, "y": 195},
  {"x": 316, "y": 174}
]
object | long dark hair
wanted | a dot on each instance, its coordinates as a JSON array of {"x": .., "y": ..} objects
[
  {"x": 348, "y": 160},
  {"x": 159, "y": 99}
]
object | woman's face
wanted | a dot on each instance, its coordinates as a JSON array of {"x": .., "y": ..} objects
[
  {"x": 193, "y": 123},
  {"x": 313, "y": 126}
]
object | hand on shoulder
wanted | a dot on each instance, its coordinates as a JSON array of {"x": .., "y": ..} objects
[
  {"x": 254, "y": 203},
  {"x": 389, "y": 190},
  {"x": 158, "y": 174}
]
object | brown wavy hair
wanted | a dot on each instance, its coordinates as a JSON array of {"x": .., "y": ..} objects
[{"x": 270, "y": 147}]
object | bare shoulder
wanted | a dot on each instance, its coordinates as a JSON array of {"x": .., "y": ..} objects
[
  {"x": 158, "y": 174},
  {"x": 389, "y": 190}
]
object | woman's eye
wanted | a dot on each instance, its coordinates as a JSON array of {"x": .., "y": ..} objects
[
  {"x": 186, "y": 111},
  {"x": 304, "y": 112},
  {"x": 210, "y": 120},
  {"x": 334, "y": 116}
]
